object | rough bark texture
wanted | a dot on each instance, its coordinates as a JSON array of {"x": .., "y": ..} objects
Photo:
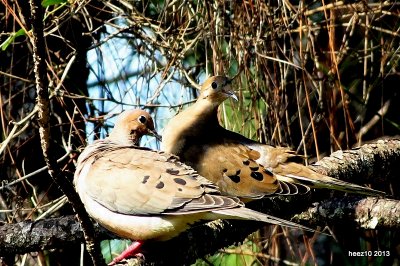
[
  {"x": 352, "y": 211},
  {"x": 367, "y": 213},
  {"x": 30, "y": 236},
  {"x": 376, "y": 163}
]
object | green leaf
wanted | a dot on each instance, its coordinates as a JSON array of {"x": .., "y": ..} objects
[
  {"x": 110, "y": 248},
  {"x": 46, "y": 3},
  {"x": 11, "y": 39}
]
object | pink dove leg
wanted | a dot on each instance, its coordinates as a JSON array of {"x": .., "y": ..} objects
[{"x": 131, "y": 251}]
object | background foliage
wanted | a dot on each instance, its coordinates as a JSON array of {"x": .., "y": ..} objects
[{"x": 314, "y": 75}]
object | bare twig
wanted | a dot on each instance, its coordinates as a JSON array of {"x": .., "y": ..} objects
[{"x": 41, "y": 83}]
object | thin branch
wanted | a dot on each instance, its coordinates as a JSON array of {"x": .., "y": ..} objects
[
  {"x": 43, "y": 103},
  {"x": 14, "y": 182}
]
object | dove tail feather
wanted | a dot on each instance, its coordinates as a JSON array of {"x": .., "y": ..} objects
[
  {"x": 290, "y": 188},
  {"x": 331, "y": 183},
  {"x": 248, "y": 214}
]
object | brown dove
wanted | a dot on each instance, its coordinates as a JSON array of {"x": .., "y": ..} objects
[
  {"x": 239, "y": 166},
  {"x": 142, "y": 194}
]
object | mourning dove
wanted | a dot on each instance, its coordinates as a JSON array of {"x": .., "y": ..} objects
[
  {"x": 238, "y": 165},
  {"x": 142, "y": 194}
]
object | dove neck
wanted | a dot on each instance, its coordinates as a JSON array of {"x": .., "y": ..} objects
[
  {"x": 185, "y": 127},
  {"x": 205, "y": 113},
  {"x": 124, "y": 138}
]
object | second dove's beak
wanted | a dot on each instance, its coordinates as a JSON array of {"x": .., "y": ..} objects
[
  {"x": 228, "y": 91},
  {"x": 155, "y": 134},
  {"x": 231, "y": 93},
  {"x": 233, "y": 96}
]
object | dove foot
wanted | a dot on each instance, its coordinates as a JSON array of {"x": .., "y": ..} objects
[{"x": 131, "y": 251}]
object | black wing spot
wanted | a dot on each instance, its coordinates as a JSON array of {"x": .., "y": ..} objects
[
  {"x": 180, "y": 181},
  {"x": 238, "y": 172},
  {"x": 268, "y": 172},
  {"x": 179, "y": 189},
  {"x": 247, "y": 162},
  {"x": 225, "y": 170},
  {"x": 254, "y": 168},
  {"x": 160, "y": 185},
  {"x": 257, "y": 176},
  {"x": 172, "y": 171},
  {"x": 234, "y": 178},
  {"x": 145, "y": 179}
]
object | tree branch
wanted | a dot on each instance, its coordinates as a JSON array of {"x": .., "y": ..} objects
[
  {"x": 28, "y": 236},
  {"x": 43, "y": 105},
  {"x": 365, "y": 213},
  {"x": 377, "y": 163}
]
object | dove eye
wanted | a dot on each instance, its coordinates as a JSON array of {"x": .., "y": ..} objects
[
  {"x": 214, "y": 85},
  {"x": 142, "y": 119}
]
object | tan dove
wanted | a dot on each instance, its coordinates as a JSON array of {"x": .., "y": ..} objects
[
  {"x": 238, "y": 165},
  {"x": 142, "y": 194}
]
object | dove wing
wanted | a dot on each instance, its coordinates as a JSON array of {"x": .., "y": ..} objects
[{"x": 144, "y": 182}]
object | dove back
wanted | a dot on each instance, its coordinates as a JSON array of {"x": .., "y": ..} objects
[{"x": 240, "y": 166}]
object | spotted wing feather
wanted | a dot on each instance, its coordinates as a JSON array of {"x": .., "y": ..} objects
[{"x": 161, "y": 184}]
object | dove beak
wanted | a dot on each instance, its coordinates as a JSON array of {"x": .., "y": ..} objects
[
  {"x": 232, "y": 95},
  {"x": 228, "y": 91},
  {"x": 155, "y": 134}
]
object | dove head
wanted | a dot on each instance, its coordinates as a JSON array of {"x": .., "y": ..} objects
[
  {"x": 217, "y": 89},
  {"x": 131, "y": 125}
]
